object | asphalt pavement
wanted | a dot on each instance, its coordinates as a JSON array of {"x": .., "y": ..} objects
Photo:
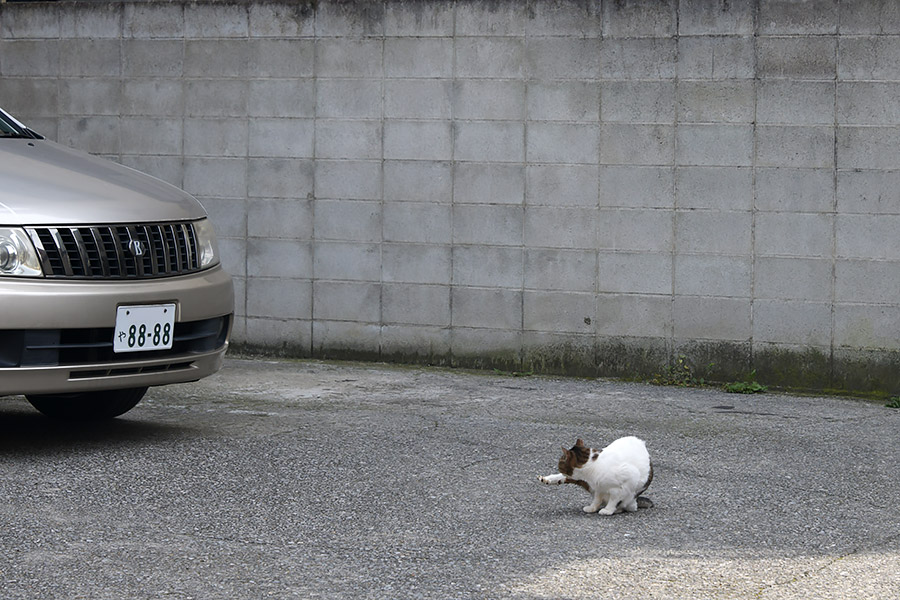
[{"x": 304, "y": 479}]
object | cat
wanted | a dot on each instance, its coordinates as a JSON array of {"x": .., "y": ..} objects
[{"x": 615, "y": 476}]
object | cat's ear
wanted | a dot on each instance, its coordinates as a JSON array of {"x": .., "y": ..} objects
[
  {"x": 565, "y": 451},
  {"x": 579, "y": 442}
]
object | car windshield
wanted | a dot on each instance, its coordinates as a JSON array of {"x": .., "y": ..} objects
[{"x": 9, "y": 128}]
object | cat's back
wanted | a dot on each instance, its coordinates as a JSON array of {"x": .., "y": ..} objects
[{"x": 630, "y": 449}]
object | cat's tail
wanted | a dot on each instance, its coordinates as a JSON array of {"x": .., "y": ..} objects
[{"x": 644, "y": 502}]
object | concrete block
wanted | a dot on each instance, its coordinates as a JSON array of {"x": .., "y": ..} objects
[
  {"x": 417, "y": 99},
  {"x": 286, "y": 98},
  {"x": 867, "y": 148},
  {"x": 349, "y": 20},
  {"x": 153, "y": 20},
  {"x": 348, "y": 58},
  {"x": 480, "y": 183},
  {"x": 780, "y": 278},
  {"x": 279, "y": 258},
  {"x": 418, "y": 181},
  {"x": 416, "y": 344},
  {"x": 488, "y": 141},
  {"x": 142, "y": 135},
  {"x": 229, "y": 216},
  {"x": 283, "y": 20},
  {"x": 213, "y": 137},
  {"x": 628, "y": 144},
  {"x": 868, "y": 236},
  {"x": 790, "y": 146},
  {"x": 168, "y": 168},
  {"x": 491, "y": 58},
  {"x": 634, "y": 273},
  {"x": 801, "y": 323},
  {"x": 416, "y": 304},
  {"x": 288, "y": 334},
  {"x": 274, "y": 218},
  {"x": 486, "y": 308},
  {"x": 711, "y": 275},
  {"x": 866, "y": 326},
  {"x": 347, "y": 301},
  {"x": 728, "y": 57},
  {"x": 216, "y": 21},
  {"x": 485, "y": 348},
  {"x": 637, "y": 58},
  {"x": 637, "y": 229},
  {"x": 620, "y": 315},
  {"x": 417, "y": 57},
  {"x": 872, "y": 17},
  {"x": 796, "y": 57},
  {"x": 563, "y": 101},
  {"x": 489, "y": 99},
  {"x": 346, "y": 261},
  {"x": 488, "y": 266},
  {"x": 234, "y": 260},
  {"x": 801, "y": 190},
  {"x": 561, "y": 270},
  {"x": 29, "y": 98},
  {"x": 280, "y": 58},
  {"x": 580, "y": 19},
  {"x": 420, "y": 222},
  {"x": 498, "y": 19},
  {"x": 223, "y": 177},
  {"x": 702, "y": 17},
  {"x": 429, "y": 19},
  {"x": 638, "y": 102},
  {"x": 31, "y": 21},
  {"x": 417, "y": 140},
  {"x": 550, "y": 58},
  {"x": 789, "y": 17},
  {"x": 868, "y": 103},
  {"x": 90, "y": 97},
  {"x": 714, "y": 232},
  {"x": 29, "y": 58},
  {"x": 105, "y": 58},
  {"x": 714, "y": 145},
  {"x": 97, "y": 135},
  {"x": 723, "y": 101},
  {"x": 639, "y": 19},
  {"x": 348, "y": 139},
  {"x": 333, "y": 338},
  {"x": 869, "y": 58},
  {"x": 559, "y": 312},
  {"x": 153, "y": 58},
  {"x": 561, "y": 185},
  {"x": 866, "y": 281},
  {"x": 637, "y": 187},
  {"x": 568, "y": 143},
  {"x": 790, "y": 102},
  {"x": 284, "y": 298},
  {"x": 561, "y": 227},
  {"x": 868, "y": 192},
  {"x": 716, "y": 188},
  {"x": 215, "y": 97},
  {"x": 348, "y": 179},
  {"x": 152, "y": 97},
  {"x": 348, "y": 98},
  {"x": 279, "y": 178},
  {"x": 283, "y": 138},
  {"x": 498, "y": 225},
  {"x": 417, "y": 263},
  {"x": 215, "y": 58},
  {"x": 719, "y": 319},
  {"x": 353, "y": 221},
  {"x": 794, "y": 234}
]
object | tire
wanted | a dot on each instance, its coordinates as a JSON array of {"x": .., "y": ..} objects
[{"x": 87, "y": 406}]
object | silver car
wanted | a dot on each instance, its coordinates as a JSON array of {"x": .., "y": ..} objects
[{"x": 110, "y": 281}]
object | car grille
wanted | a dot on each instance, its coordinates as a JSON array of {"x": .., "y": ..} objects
[{"x": 117, "y": 251}]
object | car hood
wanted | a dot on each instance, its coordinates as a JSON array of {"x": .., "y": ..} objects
[{"x": 44, "y": 183}]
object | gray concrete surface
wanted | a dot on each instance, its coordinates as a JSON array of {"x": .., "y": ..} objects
[{"x": 325, "y": 480}]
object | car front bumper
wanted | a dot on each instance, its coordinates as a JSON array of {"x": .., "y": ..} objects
[{"x": 56, "y": 336}]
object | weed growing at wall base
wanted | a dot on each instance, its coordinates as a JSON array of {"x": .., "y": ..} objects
[
  {"x": 680, "y": 375},
  {"x": 748, "y": 386}
]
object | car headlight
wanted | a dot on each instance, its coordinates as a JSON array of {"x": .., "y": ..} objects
[
  {"x": 206, "y": 243},
  {"x": 17, "y": 254}
]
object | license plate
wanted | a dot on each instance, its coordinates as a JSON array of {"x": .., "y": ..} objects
[{"x": 142, "y": 328}]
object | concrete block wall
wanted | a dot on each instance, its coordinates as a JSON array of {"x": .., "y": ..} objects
[{"x": 560, "y": 185}]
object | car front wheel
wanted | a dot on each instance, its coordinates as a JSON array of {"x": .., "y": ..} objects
[{"x": 87, "y": 406}]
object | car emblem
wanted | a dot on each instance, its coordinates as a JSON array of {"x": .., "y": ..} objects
[{"x": 136, "y": 247}]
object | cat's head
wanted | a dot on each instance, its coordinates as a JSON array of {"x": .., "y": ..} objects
[{"x": 574, "y": 457}]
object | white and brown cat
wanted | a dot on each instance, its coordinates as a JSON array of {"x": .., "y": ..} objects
[{"x": 615, "y": 475}]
